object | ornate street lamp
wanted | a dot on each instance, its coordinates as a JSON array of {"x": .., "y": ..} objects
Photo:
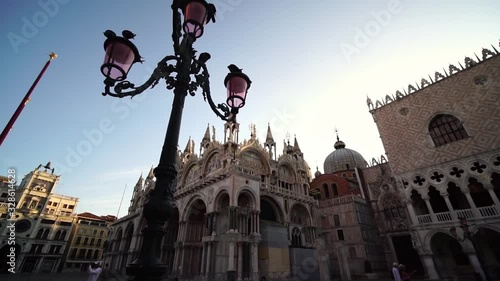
[{"x": 184, "y": 73}]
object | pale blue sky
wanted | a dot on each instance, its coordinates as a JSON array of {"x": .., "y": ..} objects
[{"x": 312, "y": 64}]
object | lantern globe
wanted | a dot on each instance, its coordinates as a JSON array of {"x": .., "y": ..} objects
[
  {"x": 120, "y": 55},
  {"x": 195, "y": 17},
  {"x": 237, "y": 85}
]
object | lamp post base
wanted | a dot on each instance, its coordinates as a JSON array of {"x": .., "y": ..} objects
[{"x": 141, "y": 272}]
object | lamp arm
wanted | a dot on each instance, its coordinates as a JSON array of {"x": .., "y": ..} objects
[
  {"x": 163, "y": 70},
  {"x": 176, "y": 25},
  {"x": 203, "y": 81}
]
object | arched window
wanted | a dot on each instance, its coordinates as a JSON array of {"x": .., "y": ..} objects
[
  {"x": 58, "y": 235},
  {"x": 39, "y": 233},
  {"x": 296, "y": 238},
  {"x": 326, "y": 190},
  {"x": 445, "y": 128}
]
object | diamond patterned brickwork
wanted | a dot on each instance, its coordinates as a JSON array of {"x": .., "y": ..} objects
[{"x": 406, "y": 138}]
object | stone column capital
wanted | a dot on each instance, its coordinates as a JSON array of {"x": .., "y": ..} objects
[{"x": 407, "y": 201}]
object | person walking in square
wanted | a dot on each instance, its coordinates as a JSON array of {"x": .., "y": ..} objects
[
  {"x": 395, "y": 272},
  {"x": 405, "y": 276},
  {"x": 94, "y": 271}
]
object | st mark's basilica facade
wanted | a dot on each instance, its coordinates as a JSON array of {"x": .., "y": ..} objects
[{"x": 431, "y": 202}]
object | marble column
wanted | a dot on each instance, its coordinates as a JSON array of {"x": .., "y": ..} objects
[
  {"x": 207, "y": 224},
  {"x": 230, "y": 264},
  {"x": 474, "y": 261},
  {"x": 240, "y": 261},
  {"x": 431, "y": 211},
  {"x": 450, "y": 207},
  {"x": 494, "y": 197},
  {"x": 176, "y": 257},
  {"x": 430, "y": 267},
  {"x": 203, "y": 259},
  {"x": 181, "y": 261},
  {"x": 255, "y": 222},
  {"x": 475, "y": 211},
  {"x": 255, "y": 261},
  {"x": 258, "y": 222},
  {"x": 214, "y": 223},
  {"x": 209, "y": 257},
  {"x": 411, "y": 212}
]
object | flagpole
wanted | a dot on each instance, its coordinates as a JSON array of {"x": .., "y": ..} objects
[
  {"x": 26, "y": 99},
  {"x": 119, "y": 207}
]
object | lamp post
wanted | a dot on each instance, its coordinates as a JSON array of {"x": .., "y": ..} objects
[{"x": 184, "y": 73}]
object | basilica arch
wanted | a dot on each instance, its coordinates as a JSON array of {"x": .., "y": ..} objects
[
  {"x": 192, "y": 172},
  {"x": 195, "y": 230},
  {"x": 271, "y": 210},
  {"x": 126, "y": 243},
  {"x": 299, "y": 214},
  {"x": 449, "y": 256},
  {"x": 246, "y": 198},
  {"x": 255, "y": 159},
  {"x": 212, "y": 162},
  {"x": 487, "y": 246},
  {"x": 171, "y": 236}
]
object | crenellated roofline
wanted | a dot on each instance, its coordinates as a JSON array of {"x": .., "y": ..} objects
[{"x": 438, "y": 77}]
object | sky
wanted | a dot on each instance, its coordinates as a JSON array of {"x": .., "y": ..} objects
[{"x": 312, "y": 63}]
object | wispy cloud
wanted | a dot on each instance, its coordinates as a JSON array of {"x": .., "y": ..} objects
[{"x": 124, "y": 174}]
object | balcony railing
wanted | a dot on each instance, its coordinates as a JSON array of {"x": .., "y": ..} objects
[
  {"x": 274, "y": 189},
  {"x": 444, "y": 216},
  {"x": 489, "y": 211},
  {"x": 484, "y": 212},
  {"x": 424, "y": 219},
  {"x": 467, "y": 213}
]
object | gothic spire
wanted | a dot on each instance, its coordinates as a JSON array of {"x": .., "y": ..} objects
[
  {"x": 206, "y": 137},
  {"x": 189, "y": 147},
  {"x": 139, "y": 182},
  {"x": 269, "y": 136},
  {"x": 296, "y": 144},
  {"x": 151, "y": 174}
]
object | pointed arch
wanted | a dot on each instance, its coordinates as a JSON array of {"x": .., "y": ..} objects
[
  {"x": 190, "y": 174},
  {"x": 428, "y": 237},
  {"x": 251, "y": 195},
  {"x": 220, "y": 196},
  {"x": 251, "y": 160},
  {"x": 446, "y": 128},
  {"x": 189, "y": 204},
  {"x": 271, "y": 209},
  {"x": 285, "y": 167},
  {"x": 207, "y": 164},
  {"x": 300, "y": 214}
]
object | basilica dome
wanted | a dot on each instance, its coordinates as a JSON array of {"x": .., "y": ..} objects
[{"x": 342, "y": 159}]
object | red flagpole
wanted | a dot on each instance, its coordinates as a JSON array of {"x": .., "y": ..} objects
[{"x": 26, "y": 99}]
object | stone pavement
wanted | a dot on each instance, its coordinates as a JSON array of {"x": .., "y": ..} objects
[
  {"x": 45, "y": 277},
  {"x": 82, "y": 276}
]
